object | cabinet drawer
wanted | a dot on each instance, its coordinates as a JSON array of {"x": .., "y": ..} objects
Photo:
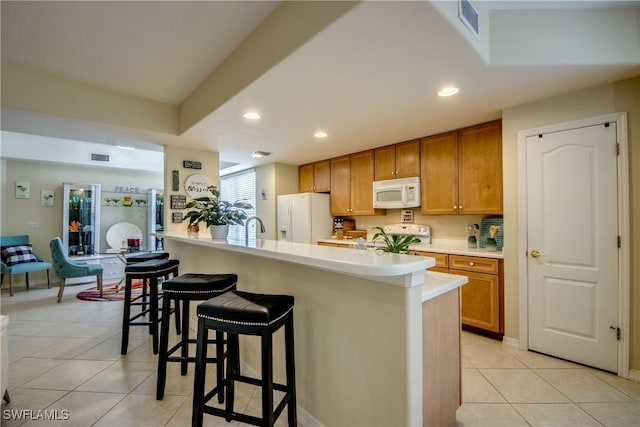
[
  {"x": 442, "y": 260},
  {"x": 471, "y": 263}
]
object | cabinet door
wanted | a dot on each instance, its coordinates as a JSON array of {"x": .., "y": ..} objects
[
  {"x": 340, "y": 187},
  {"x": 362, "y": 174},
  {"x": 408, "y": 159},
  {"x": 481, "y": 300},
  {"x": 305, "y": 178},
  {"x": 481, "y": 169},
  {"x": 322, "y": 176},
  {"x": 385, "y": 163},
  {"x": 439, "y": 174}
]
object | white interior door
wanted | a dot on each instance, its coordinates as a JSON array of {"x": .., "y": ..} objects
[{"x": 572, "y": 233}]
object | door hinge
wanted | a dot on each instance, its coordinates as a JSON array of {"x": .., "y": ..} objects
[
  {"x": 619, "y": 242},
  {"x": 617, "y": 332},
  {"x": 617, "y": 148}
]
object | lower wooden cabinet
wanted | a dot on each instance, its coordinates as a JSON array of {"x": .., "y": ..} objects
[
  {"x": 442, "y": 375},
  {"x": 482, "y": 298}
]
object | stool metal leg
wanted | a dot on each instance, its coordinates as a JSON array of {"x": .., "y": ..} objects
[
  {"x": 153, "y": 315},
  {"x": 162, "y": 354},
  {"x": 267, "y": 378},
  {"x": 177, "y": 313},
  {"x": 199, "y": 375},
  {"x": 126, "y": 315},
  {"x": 233, "y": 370},
  {"x": 291, "y": 371},
  {"x": 184, "y": 348},
  {"x": 220, "y": 363}
]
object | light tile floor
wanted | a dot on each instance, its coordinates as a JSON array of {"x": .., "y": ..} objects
[{"x": 66, "y": 358}]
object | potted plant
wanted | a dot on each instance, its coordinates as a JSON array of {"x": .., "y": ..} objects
[
  {"x": 215, "y": 213},
  {"x": 395, "y": 243}
]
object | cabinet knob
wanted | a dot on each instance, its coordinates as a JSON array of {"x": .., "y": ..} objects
[
  {"x": 455, "y": 208},
  {"x": 460, "y": 207},
  {"x": 471, "y": 264}
]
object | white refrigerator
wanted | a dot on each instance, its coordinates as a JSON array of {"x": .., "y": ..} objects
[{"x": 304, "y": 217}]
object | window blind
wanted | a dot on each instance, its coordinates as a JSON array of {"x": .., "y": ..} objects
[{"x": 240, "y": 186}]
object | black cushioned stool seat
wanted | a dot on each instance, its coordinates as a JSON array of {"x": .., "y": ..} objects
[
  {"x": 149, "y": 272},
  {"x": 145, "y": 256},
  {"x": 245, "y": 313},
  {"x": 186, "y": 288}
]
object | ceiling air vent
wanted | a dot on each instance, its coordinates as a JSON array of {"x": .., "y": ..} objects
[
  {"x": 469, "y": 16},
  {"x": 100, "y": 157}
]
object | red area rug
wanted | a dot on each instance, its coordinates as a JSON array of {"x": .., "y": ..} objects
[{"x": 110, "y": 292}]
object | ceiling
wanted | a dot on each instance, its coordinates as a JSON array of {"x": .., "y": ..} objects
[{"x": 368, "y": 77}]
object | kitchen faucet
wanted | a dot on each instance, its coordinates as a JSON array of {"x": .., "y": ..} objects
[{"x": 246, "y": 229}]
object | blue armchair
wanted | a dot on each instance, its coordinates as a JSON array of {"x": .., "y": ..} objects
[
  {"x": 67, "y": 269},
  {"x": 17, "y": 258}
]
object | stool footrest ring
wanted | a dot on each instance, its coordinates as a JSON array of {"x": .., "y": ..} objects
[{"x": 178, "y": 345}]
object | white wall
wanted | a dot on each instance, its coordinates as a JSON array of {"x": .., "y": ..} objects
[
  {"x": 174, "y": 156},
  {"x": 18, "y": 214},
  {"x": 605, "y": 99}
]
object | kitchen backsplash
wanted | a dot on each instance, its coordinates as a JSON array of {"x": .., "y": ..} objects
[{"x": 450, "y": 227}]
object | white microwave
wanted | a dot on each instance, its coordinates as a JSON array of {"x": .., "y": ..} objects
[{"x": 396, "y": 193}]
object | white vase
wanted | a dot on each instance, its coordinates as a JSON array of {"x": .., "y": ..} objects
[{"x": 219, "y": 232}]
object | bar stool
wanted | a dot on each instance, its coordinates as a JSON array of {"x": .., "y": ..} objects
[
  {"x": 128, "y": 259},
  {"x": 145, "y": 256},
  {"x": 186, "y": 288},
  {"x": 149, "y": 272},
  {"x": 244, "y": 313},
  {"x": 137, "y": 257}
]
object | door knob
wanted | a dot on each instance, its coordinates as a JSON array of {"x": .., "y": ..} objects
[{"x": 536, "y": 254}]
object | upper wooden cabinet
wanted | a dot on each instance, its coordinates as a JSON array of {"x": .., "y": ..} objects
[
  {"x": 315, "y": 177},
  {"x": 461, "y": 171},
  {"x": 480, "y": 169},
  {"x": 397, "y": 161},
  {"x": 352, "y": 185}
]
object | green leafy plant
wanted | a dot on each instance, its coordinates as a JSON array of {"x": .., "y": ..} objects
[
  {"x": 213, "y": 211},
  {"x": 394, "y": 242}
]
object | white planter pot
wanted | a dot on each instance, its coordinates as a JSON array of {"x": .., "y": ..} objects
[{"x": 219, "y": 232}]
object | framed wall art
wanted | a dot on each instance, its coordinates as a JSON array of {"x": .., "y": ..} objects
[
  {"x": 46, "y": 198},
  {"x": 23, "y": 189}
]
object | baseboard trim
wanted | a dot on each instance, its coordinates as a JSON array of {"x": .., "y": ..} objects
[
  {"x": 305, "y": 419},
  {"x": 511, "y": 342},
  {"x": 634, "y": 375}
]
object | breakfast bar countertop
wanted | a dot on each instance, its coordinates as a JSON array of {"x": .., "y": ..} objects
[
  {"x": 341, "y": 296},
  {"x": 399, "y": 270}
]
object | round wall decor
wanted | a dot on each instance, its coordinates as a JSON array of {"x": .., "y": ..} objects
[{"x": 196, "y": 185}]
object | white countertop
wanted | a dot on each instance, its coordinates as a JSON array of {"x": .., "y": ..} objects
[
  {"x": 436, "y": 284},
  {"x": 400, "y": 270},
  {"x": 453, "y": 247}
]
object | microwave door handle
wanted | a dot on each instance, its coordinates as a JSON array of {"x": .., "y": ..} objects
[{"x": 405, "y": 196}]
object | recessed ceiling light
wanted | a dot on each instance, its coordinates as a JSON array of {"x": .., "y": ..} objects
[
  {"x": 448, "y": 91},
  {"x": 251, "y": 115},
  {"x": 260, "y": 154},
  {"x": 320, "y": 134}
]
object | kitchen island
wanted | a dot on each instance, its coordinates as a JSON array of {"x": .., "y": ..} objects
[{"x": 376, "y": 337}]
